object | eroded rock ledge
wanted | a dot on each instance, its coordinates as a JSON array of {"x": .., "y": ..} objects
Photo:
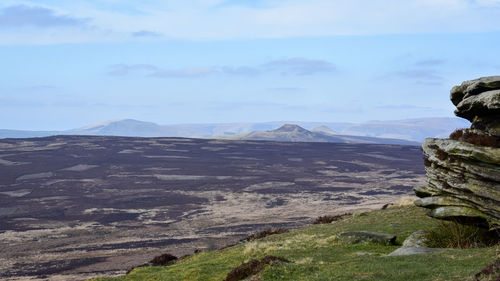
[{"x": 463, "y": 172}]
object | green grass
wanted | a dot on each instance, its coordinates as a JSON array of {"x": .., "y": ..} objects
[{"x": 317, "y": 254}]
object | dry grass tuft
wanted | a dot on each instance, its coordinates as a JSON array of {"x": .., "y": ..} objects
[
  {"x": 252, "y": 267},
  {"x": 457, "y": 134},
  {"x": 165, "y": 259},
  {"x": 452, "y": 234},
  {"x": 476, "y": 139},
  {"x": 267, "y": 232},
  {"x": 491, "y": 272},
  {"x": 329, "y": 219}
]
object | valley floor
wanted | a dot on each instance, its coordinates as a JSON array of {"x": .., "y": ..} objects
[{"x": 84, "y": 206}]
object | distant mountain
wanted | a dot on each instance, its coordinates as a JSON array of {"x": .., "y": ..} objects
[
  {"x": 288, "y": 132},
  {"x": 130, "y": 127},
  {"x": 295, "y": 133},
  {"x": 411, "y": 129},
  {"x": 325, "y": 130},
  {"x": 126, "y": 127}
]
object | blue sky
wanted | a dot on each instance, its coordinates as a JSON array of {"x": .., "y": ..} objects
[{"x": 66, "y": 64}]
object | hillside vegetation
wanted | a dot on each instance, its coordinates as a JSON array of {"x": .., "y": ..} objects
[{"x": 316, "y": 253}]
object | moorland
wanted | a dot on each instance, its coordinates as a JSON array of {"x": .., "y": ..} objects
[{"x": 74, "y": 207}]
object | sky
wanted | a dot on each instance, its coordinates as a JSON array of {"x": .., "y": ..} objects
[{"x": 66, "y": 64}]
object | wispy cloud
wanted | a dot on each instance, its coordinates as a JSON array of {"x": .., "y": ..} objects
[
  {"x": 430, "y": 62},
  {"x": 146, "y": 33},
  {"x": 287, "y": 89},
  {"x": 23, "y": 15},
  {"x": 299, "y": 66},
  {"x": 422, "y": 72},
  {"x": 236, "y": 106},
  {"x": 240, "y": 70},
  {"x": 39, "y": 88},
  {"x": 256, "y": 4},
  {"x": 403, "y": 107},
  {"x": 191, "y": 72},
  {"x": 125, "y": 69},
  {"x": 294, "y": 66},
  {"x": 428, "y": 77},
  {"x": 236, "y": 19},
  {"x": 426, "y": 74},
  {"x": 154, "y": 71},
  {"x": 489, "y": 3}
]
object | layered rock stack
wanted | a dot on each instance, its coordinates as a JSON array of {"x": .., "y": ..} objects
[{"x": 463, "y": 171}]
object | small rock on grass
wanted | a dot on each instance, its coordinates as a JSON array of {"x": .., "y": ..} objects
[
  {"x": 363, "y": 253},
  {"x": 415, "y": 244},
  {"x": 406, "y": 251}
]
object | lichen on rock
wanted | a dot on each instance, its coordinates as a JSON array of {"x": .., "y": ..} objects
[{"x": 463, "y": 172}]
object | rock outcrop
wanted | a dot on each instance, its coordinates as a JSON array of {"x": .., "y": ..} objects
[
  {"x": 415, "y": 244},
  {"x": 463, "y": 171}
]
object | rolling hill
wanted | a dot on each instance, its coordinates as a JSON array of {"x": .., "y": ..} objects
[
  {"x": 295, "y": 133},
  {"x": 410, "y": 129}
]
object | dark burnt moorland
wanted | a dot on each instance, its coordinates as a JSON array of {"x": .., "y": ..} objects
[{"x": 80, "y": 206}]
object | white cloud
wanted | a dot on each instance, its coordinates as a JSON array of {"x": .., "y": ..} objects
[{"x": 219, "y": 20}]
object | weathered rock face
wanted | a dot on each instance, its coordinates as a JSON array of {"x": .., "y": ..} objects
[
  {"x": 463, "y": 172},
  {"x": 479, "y": 102}
]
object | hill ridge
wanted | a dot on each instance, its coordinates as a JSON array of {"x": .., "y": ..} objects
[
  {"x": 296, "y": 133},
  {"x": 411, "y": 129}
]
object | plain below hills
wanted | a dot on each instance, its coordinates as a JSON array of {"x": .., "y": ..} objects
[
  {"x": 409, "y": 129},
  {"x": 82, "y": 206}
]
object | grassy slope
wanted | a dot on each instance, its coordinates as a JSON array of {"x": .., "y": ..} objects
[{"x": 318, "y": 255}]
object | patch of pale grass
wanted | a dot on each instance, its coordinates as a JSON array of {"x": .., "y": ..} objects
[
  {"x": 254, "y": 247},
  {"x": 297, "y": 242},
  {"x": 301, "y": 238},
  {"x": 306, "y": 260},
  {"x": 328, "y": 241}
]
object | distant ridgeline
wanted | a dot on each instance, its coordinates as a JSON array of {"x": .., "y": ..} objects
[{"x": 464, "y": 171}]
